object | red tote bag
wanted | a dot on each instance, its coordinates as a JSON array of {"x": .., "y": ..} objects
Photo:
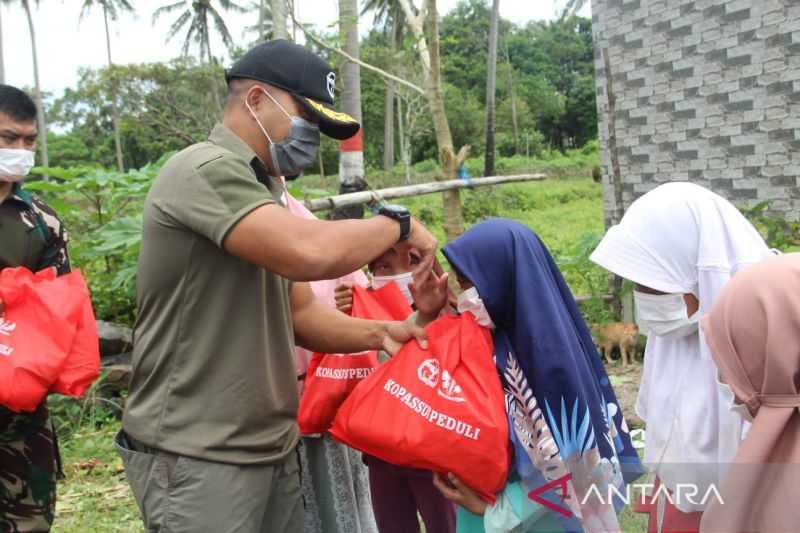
[
  {"x": 37, "y": 331},
  {"x": 330, "y": 378},
  {"x": 440, "y": 409},
  {"x": 82, "y": 366}
]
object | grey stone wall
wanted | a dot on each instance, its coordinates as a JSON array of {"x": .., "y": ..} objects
[{"x": 707, "y": 91}]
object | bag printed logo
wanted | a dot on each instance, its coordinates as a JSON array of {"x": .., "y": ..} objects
[
  {"x": 7, "y": 327},
  {"x": 450, "y": 390},
  {"x": 428, "y": 373}
]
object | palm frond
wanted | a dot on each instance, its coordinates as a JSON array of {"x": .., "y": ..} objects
[
  {"x": 178, "y": 25},
  {"x": 229, "y": 5},
  {"x": 169, "y": 8},
  {"x": 221, "y": 27}
]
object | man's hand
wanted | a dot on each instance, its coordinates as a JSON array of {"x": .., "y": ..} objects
[
  {"x": 344, "y": 297},
  {"x": 398, "y": 333},
  {"x": 423, "y": 242},
  {"x": 430, "y": 293},
  {"x": 454, "y": 490}
]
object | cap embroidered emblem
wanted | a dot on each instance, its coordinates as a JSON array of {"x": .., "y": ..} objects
[{"x": 331, "y": 83}]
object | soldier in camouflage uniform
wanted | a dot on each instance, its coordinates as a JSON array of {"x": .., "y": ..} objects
[{"x": 31, "y": 235}]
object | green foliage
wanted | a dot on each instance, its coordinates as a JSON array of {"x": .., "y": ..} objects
[
  {"x": 163, "y": 107},
  {"x": 778, "y": 232},
  {"x": 102, "y": 212},
  {"x": 94, "y": 409},
  {"x": 578, "y": 266}
]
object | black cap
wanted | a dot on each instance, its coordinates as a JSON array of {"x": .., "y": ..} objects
[{"x": 304, "y": 75}]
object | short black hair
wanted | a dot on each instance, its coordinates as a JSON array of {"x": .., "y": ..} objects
[{"x": 17, "y": 104}]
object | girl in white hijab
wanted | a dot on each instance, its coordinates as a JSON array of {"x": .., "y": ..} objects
[{"x": 680, "y": 244}]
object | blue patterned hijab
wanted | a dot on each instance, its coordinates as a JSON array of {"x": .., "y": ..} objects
[{"x": 571, "y": 442}]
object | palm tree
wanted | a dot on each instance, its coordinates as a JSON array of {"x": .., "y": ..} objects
[
  {"x": 491, "y": 90},
  {"x": 279, "y": 30},
  {"x": 263, "y": 28},
  {"x": 37, "y": 87},
  {"x": 198, "y": 16},
  {"x": 111, "y": 9},
  {"x": 572, "y": 7},
  {"x": 351, "y": 156},
  {"x": 388, "y": 13}
]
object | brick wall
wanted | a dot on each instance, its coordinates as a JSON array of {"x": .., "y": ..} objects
[{"x": 706, "y": 91}]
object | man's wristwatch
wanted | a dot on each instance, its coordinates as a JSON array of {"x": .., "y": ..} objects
[{"x": 401, "y": 215}]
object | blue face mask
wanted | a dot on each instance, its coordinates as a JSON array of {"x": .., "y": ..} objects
[{"x": 298, "y": 150}]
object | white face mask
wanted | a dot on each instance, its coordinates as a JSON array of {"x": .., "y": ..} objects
[
  {"x": 15, "y": 164},
  {"x": 403, "y": 281},
  {"x": 664, "y": 315},
  {"x": 470, "y": 301},
  {"x": 738, "y": 408}
]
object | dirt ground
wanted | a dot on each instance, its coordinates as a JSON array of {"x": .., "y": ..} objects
[{"x": 626, "y": 384}]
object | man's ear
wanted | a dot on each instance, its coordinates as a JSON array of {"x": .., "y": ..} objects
[{"x": 255, "y": 97}]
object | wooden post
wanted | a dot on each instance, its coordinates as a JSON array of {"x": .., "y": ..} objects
[{"x": 616, "y": 177}]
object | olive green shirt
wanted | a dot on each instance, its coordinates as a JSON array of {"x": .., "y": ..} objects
[{"x": 213, "y": 356}]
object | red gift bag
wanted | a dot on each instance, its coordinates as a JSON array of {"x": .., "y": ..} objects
[
  {"x": 37, "y": 331},
  {"x": 82, "y": 365},
  {"x": 440, "y": 409},
  {"x": 48, "y": 337},
  {"x": 331, "y": 377}
]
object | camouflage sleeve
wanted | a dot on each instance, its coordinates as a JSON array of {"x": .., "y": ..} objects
[{"x": 56, "y": 254}]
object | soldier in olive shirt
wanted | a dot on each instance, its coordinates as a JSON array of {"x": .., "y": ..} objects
[
  {"x": 209, "y": 432},
  {"x": 31, "y": 236}
]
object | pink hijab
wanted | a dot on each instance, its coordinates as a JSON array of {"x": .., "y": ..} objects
[
  {"x": 323, "y": 290},
  {"x": 753, "y": 332}
]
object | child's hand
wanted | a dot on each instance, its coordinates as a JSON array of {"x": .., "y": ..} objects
[
  {"x": 430, "y": 295},
  {"x": 344, "y": 297},
  {"x": 454, "y": 490}
]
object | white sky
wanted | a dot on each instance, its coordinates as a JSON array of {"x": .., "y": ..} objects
[{"x": 64, "y": 45}]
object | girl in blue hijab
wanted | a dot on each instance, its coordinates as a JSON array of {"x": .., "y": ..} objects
[{"x": 572, "y": 453}]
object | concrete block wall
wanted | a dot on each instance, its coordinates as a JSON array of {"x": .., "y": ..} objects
[{"x": 707, "y": 91}]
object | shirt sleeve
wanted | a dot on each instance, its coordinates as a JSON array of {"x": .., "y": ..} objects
[
  {"x": 512, "y": 512},
  {"x": 214, "y": 196},
  {"x": 55, "y": 254}
]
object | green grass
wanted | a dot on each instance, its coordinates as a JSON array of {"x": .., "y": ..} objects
[{"x": 95, "y": 496}]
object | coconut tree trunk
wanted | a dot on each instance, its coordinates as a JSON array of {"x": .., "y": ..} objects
[
  {"x": 39, "y": 101},
  {"x": 279, "y": 30},
  {"x": 404, "y": 153},
  {"x": 351, "y": 151},
  {"x": 491, "y": 91},
  {"x": 114, "y": 110},
  {"x": 388, "y": 125},
  {"x": 425, "y": 29},
  {"x": 512, "y": 92},
  {"x": 261, "y": 32}
]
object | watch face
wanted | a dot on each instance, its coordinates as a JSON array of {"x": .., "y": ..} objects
[{"x": 396, "y": 208}]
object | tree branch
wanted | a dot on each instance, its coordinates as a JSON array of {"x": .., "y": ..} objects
[{"x": 347, "y": 56}]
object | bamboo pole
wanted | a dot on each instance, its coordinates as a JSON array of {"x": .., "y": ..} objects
[{"x": 364, "y": 197}]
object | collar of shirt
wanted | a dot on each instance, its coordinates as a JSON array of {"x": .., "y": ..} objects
[
  {"x": 222, "y": 136},
  {"x": 16, "y": 193}
]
